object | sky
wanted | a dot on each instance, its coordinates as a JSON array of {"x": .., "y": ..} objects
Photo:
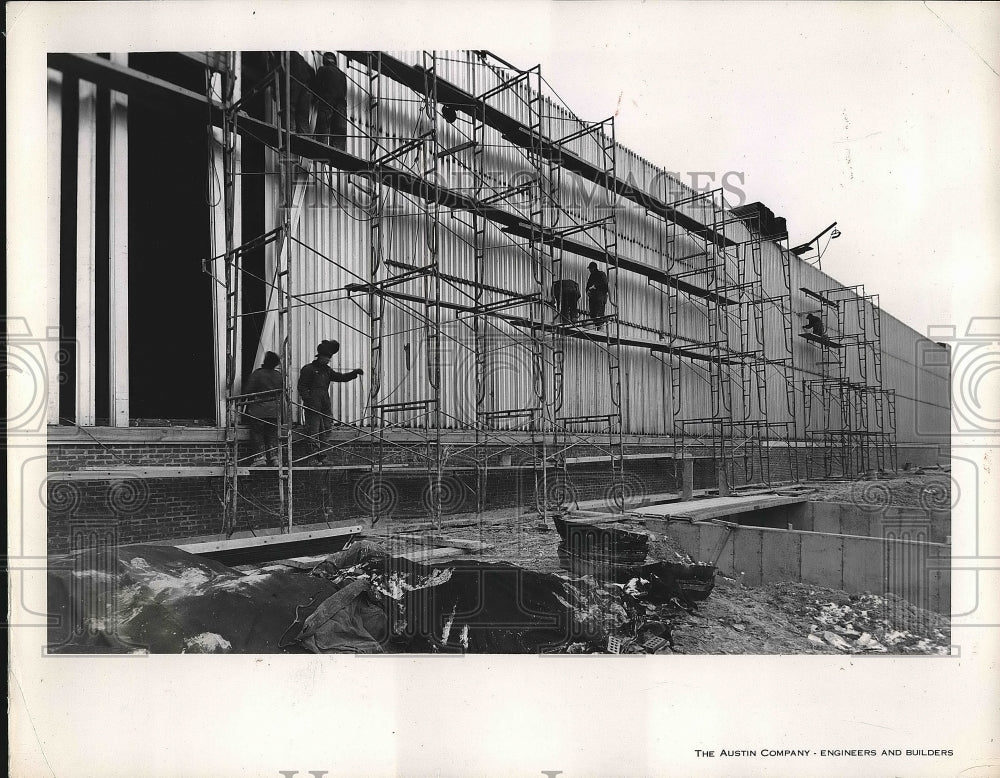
[{"x": 883, "y": 117}]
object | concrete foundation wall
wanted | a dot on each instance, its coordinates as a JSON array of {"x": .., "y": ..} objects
[
  {"x": 914, "y": 570},
  {"x": 919, "y": 524},
  {"x": 922, "y": 455}
]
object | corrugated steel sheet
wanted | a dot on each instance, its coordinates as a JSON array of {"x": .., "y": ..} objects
[{"x": 336, "y": 224}]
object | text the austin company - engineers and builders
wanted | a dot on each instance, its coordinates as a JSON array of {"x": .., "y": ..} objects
[{"x": 771, "y": 752}]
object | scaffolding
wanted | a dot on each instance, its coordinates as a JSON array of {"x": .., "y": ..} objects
[
  {"x": 715, "y": 274},
  {"x": 401, "y": 179},
  {"x": 850, "y": 419},
  {"x": 541, "y": 325},
  {"x": 416, "y": 120}
]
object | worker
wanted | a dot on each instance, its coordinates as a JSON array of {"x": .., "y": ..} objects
[
  {"x": 254, "y": 66},
  {"x": 815, "y": 323},
  {"x": 597, "y": 291},
  {"x": 263, "y": 414},
  {"x": 302, "y": 75},
  {"x": 566, "y": 296},
  {"x": 314, "y": 389},
  {"x": 330, "y": 85}
]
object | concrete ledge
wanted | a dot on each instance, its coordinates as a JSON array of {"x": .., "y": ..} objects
[
  {"x": 135, "y": 435},
  {"x": 119, "y": 474}
]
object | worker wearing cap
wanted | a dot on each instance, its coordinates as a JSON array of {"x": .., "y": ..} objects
[
  {"x": 597, "y": 291},
  {"x": 330, "y": 86},
  {"x": 314, "y": 389},
  {"x": 262, "y": 414}
]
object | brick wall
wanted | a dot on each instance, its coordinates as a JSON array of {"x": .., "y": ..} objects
[
  {"x": 137, "y": 509},
  {"x": 143, "y": 509},
  {"x": 76, "y": 456}
]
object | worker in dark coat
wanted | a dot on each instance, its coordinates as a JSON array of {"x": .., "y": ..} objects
[
  {"x": 263, "y": 415},
  {"x": 566, "y": 295},
  {"x": 302, "y": 75},
  {"x": 254, "y": 66},
  {"x": 597, "y": 291},
  {"x": 330, "y": 86},
  {"x": 815, "y": 323},
  {"x": 314, "y": 389}
]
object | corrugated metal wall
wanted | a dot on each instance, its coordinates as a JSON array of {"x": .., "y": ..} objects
[{"x": 334, "y": 221}]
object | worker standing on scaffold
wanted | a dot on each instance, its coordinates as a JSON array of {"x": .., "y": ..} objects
[
  {"x": 302, "y": 75},
  {"x": 597, "y": 292},
  {"x": 314, "y": 389},
  {"x": 330, "y": 85},
  {"x": 566, "y": 295},
  {"x": 263, "y": 413}
]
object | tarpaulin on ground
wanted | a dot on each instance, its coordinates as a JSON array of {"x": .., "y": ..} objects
[
  {"x": 162, "y": 600},
  {"x": 459, "y": 606}
]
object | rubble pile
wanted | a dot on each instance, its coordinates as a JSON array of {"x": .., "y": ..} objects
[
  {"x": 870, "y": 623},
  {"x": 638, "y": 616}
]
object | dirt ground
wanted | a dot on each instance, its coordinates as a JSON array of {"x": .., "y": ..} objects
[
  {"x": 776, "y": 618},
  {"x": 928, "y": 488}
]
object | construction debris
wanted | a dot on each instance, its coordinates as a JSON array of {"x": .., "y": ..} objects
[{"x": 871, "y": 623}]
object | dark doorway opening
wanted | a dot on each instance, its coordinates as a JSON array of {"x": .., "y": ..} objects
[{"x": 171, "y": 341}]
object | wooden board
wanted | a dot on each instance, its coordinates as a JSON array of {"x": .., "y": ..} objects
[
  {"x": 271, "y": 547},
  {"x": 440, "y": 541},
  {"x": 715, "y": 507},
  {"x": 432, "y": 555},
  {"x": 820, "y": 340}
]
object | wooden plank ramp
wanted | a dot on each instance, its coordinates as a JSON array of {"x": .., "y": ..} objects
[
  {"x": 432, "y": 554},
  {"x": 432, "y": 539},
  {"x": 436, "y": 546},
  {"x": 716, "y": 507}
]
